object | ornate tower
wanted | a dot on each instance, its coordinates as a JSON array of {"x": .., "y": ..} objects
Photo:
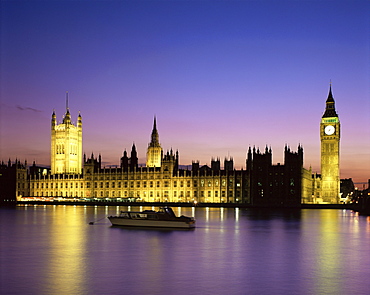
[
  {"x": 66, "y": 144},
  {"x": 134, "y": 162},
  {"x": 330, "y": 137},
  {"x": 154, "y": 152}
]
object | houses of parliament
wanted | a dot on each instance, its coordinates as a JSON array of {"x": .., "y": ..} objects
[{"x": 75, "y": 175}]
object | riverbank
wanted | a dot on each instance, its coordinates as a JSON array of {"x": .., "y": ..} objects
[{"x": 159, "y": 204}]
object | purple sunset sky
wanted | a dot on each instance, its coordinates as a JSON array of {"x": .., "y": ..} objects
[{"x": 220, "y": 76}]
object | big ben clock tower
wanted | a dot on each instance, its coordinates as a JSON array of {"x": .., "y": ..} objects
[{"x": 330, "y": 137}]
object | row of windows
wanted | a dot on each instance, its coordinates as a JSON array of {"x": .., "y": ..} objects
[
  {"x": 130, "y": 176},
  {"x": 132, "y": 184},
  {"x": 60, "y": 148},
  {"x": 150, "y": 194},
  {"x": 21, "y": 186},
  {"x": 73, "y": 148},
  {"x": 57, "y": 185},
  {"x": 138, "y": 176},
  {"x": 166, "y": 183},
  {"x": 167, "y": 194},
  {"x": 59, "y": 194},
  {"x": 139, "y": 194}
]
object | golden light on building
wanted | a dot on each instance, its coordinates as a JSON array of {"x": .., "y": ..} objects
[
  {"x": 154, "y": 152},
  {"x": 330, "y": 138},
  {"x": 66, "y": 144},
  {"x": 77, "y": 177}
]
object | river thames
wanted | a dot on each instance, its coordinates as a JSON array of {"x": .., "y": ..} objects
[{"x": 54, "y": 250}]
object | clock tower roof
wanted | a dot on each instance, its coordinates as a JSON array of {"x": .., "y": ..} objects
[{"x": 330, "y": 106}]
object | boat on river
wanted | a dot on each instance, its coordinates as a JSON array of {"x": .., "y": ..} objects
[{"x": 164, "y": 217}]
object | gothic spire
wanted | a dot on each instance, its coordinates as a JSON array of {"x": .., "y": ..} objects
[
  {"x": 67, "y": 107},
  {"x": 53, "y": 119},
  {"x": 155, "y": 136},
  {"x": 330, "y": 106},
  {"x": 67, "y": 116},
  {"x": 330, "y": 95}
]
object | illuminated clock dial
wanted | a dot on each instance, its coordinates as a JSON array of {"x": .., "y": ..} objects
[{"x": 329, "y": 130}]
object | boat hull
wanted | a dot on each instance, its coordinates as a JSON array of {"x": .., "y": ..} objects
[{"x": 150, "y": 223}]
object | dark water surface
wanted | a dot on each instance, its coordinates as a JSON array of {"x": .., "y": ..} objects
[{"x": 54, "y": 250}]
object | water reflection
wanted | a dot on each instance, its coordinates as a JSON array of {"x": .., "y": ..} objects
[
  {"x": 326, "y": 257},
  {"x": 64, "y": 254},
  {"x": 53, "y": 250},
  {"x": 237, "y": 213},
  {"x": 273, "y": 214}
]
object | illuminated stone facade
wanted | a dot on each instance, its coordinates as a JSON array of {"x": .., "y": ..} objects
[
  {"x": 330, "y": 139},
  {"x": 167, "y": 183},
  {"x": 154, "y": 152},
  {"x": 162, "y": 179},
  {"x": 261, "y": 184},
  {"x": 66, "y": 145}
]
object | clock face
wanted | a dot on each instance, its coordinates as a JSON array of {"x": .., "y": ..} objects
[{"x": 329, "y": 130}]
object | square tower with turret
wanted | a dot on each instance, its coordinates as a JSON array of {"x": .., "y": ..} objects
[{"x": 66, "y": 145}]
